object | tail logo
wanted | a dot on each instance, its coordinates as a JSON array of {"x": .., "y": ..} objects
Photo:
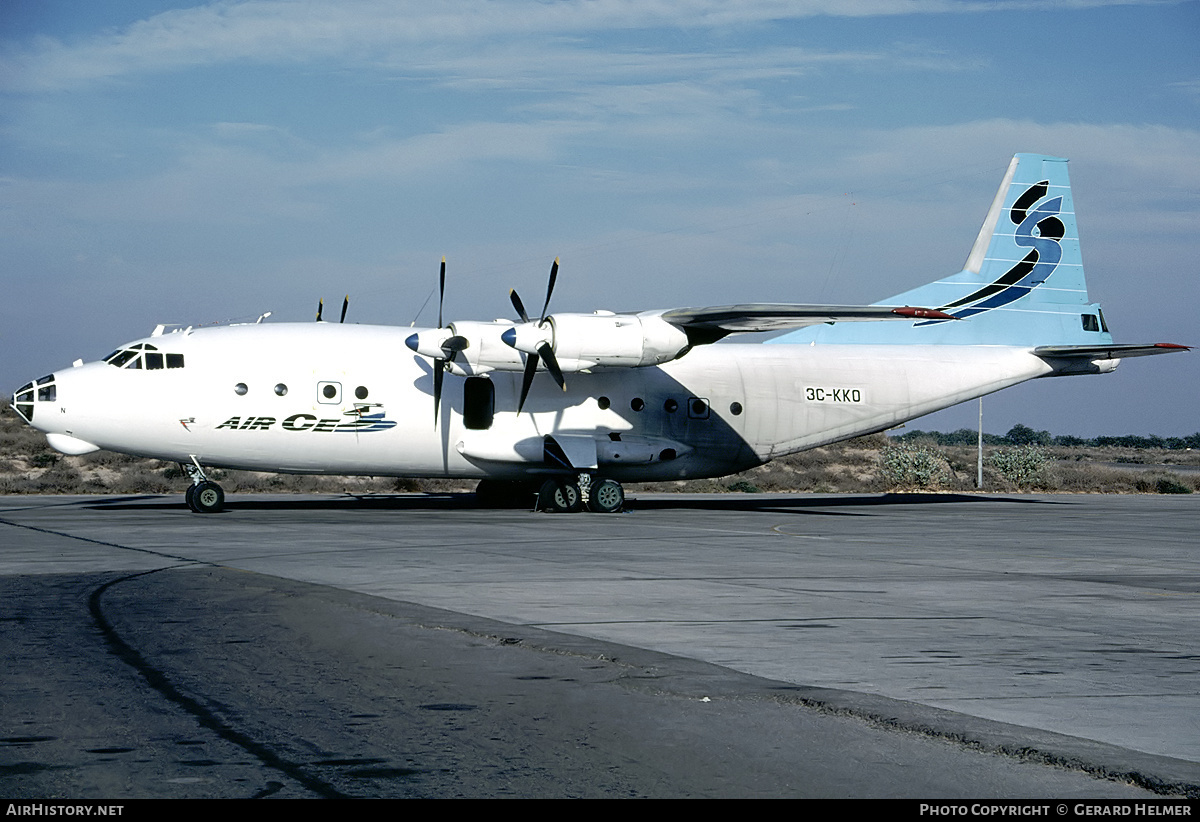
[{"x": 1037, "y": 228}]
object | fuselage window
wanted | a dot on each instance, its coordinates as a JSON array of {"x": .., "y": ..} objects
[
  {"x": 698, "y": 408},
  {"x": 240, "y": 389},
  {"x": 281, "y": 389},
  {"x": 479, "y": 403},
  {"x": 361, "y": 392},
  {"x": 329, "y": 393},
  {"x": 637, "y": 404}
]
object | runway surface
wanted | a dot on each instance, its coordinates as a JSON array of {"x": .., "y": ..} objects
[{"x": 735, "y": 645}]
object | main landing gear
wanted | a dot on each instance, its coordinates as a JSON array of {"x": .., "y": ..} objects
[
  {"x": 559, "y": 495},
  {"x": 203, "y": 496},
  {"x": 567, "y": 496}
]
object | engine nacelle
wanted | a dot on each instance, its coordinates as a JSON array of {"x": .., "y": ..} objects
[
  {"x": 579, "y": 342},
  {"x": 468, "y": 348},
  {"x": 582, "y": 341},
  {"x": 485, "y": 351}
]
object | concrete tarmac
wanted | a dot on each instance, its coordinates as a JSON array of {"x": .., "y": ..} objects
[{"x": 737, "y": 645}]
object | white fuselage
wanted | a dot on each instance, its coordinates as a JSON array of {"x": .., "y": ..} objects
[{"x": 352, "y": 399}]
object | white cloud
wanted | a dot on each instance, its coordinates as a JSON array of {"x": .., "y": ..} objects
[{"x": 368, "y": 31}]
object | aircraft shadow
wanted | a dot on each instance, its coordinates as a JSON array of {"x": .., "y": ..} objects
[{"x": 795, "y": 503}]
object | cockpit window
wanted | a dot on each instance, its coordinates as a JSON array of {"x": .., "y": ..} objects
[
  {"x": 42, "y": 390},
  {"x": 143, "y": 355}
]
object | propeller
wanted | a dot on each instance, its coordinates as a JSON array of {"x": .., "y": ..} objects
[
  {"x": 450, "y": 348},
  {"x": 543, "y": 352},
  {"x": 438, "y": 344}
]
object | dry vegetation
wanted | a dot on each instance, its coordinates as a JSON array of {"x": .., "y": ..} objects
[
  {"x": 29, "y": 466},
  {"x": 855, "y": 467}
]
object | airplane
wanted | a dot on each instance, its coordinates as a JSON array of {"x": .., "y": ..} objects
[{"x": 565, "y": 407}]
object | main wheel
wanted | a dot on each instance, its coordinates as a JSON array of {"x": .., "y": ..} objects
[
  {"x": 607, "y": 497},
  {"x": 560, "y": 497},
  {"x": 207, "y": 498}
]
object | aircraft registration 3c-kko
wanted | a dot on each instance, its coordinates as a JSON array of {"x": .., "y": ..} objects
[{"x": 566, "y": 407}]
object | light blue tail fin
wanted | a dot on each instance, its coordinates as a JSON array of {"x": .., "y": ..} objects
[{"x": 1022, "y": 284}]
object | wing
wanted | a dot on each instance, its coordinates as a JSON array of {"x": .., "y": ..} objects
[{"x": 717, "y": 321}]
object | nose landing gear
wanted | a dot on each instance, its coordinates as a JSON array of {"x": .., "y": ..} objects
[{"x": 203, "y": 496}]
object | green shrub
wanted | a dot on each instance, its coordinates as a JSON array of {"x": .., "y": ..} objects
[
  {"x": 1023, "y": 466},
  {"x": 44, "y": 460},
  {"x": 1170, "y": 485},
  {"x": 913, "y": 466}
]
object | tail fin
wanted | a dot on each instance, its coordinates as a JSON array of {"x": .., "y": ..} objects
[{"x": 1023, "y": 282}]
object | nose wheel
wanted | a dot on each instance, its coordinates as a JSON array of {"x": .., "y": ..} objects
[{"x": 203, "y": 496}]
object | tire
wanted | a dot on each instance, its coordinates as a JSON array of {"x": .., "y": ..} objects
[
  {"x": 207, "y": 498},
  {"x": 607, "y": 497},
  {"x": 560, "y": 497}
]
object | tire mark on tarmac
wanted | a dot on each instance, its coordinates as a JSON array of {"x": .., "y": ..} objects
[
  {"x": 65, "y": 535},
  {"x": 160, "y": 683},
  {"x": 205, "y": 717}
]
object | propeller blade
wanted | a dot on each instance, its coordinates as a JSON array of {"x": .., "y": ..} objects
[
  {"x": 439, "y": 373},
  {"x": 549, "y": 290},
  {"x": 441, "y": 290},
  {"x": 320, "y": 308},
  {"x": 517, "y": 304},
  {"x": 531, "y": 364},
  {"x": 345, "y": 305},
  {"x": 439, "y": 365},
  {"x": 547, "y": 354}
]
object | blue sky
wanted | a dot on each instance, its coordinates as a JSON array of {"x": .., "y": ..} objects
[{"x": 194, "y": 162}]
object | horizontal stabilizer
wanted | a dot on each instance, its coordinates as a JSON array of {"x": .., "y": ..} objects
[
  {"x": 732, "y": 319},
  {"x": 1106, "y": 352}
]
